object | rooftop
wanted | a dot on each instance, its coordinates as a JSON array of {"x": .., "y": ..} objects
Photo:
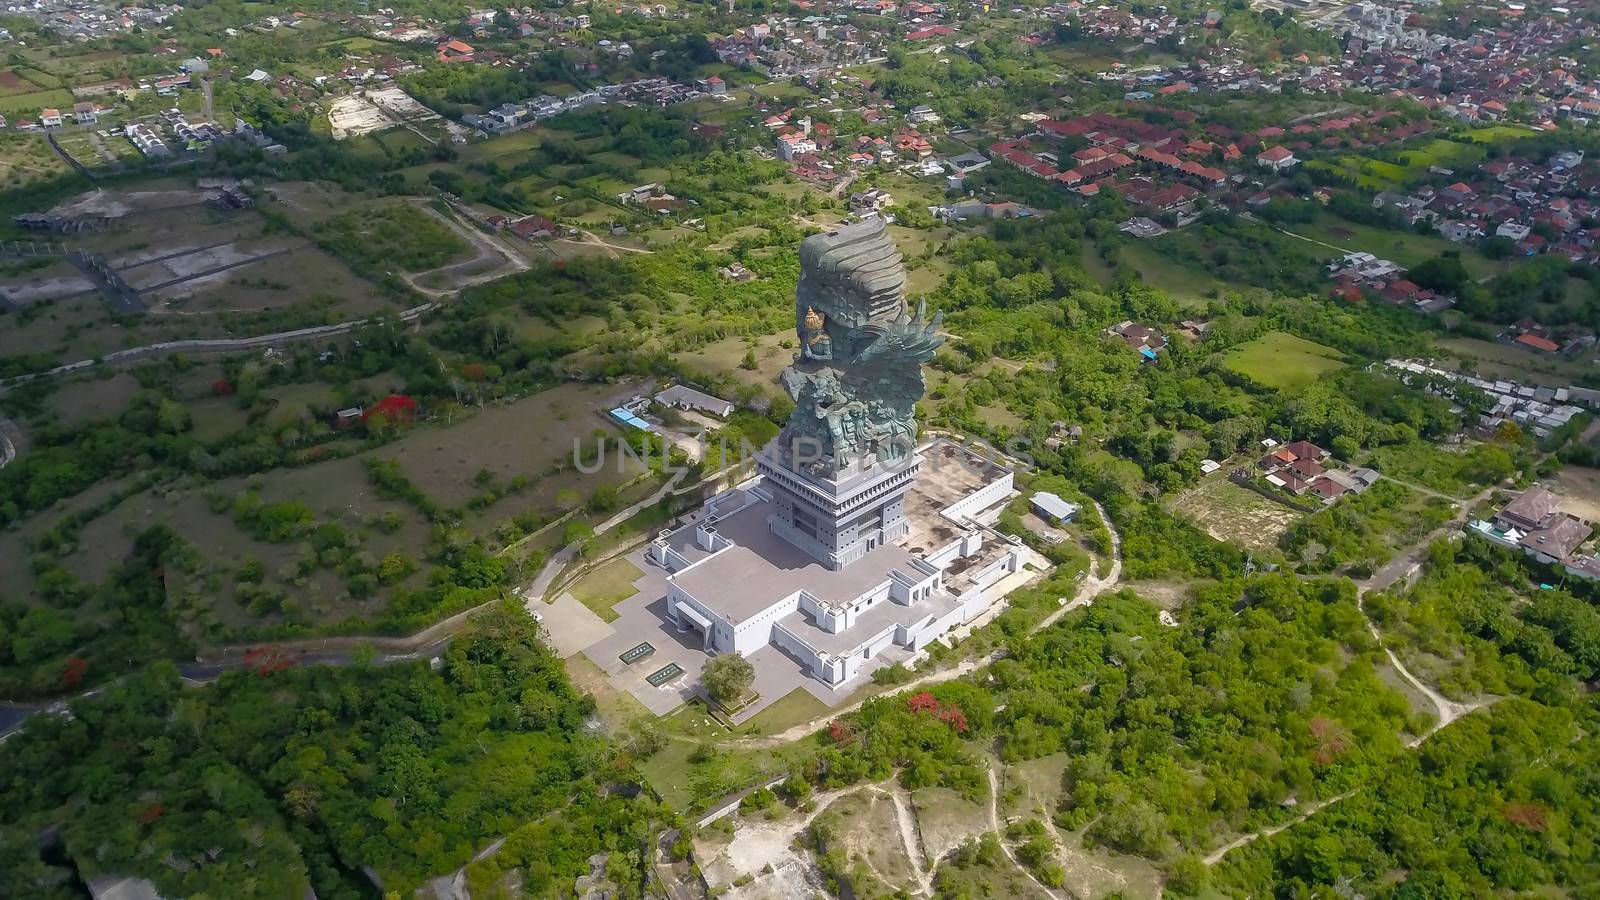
[
  {"x": 1560, "y": 539},
  {"x": 761, "y": 568},
  {"x": 1532, "y": 507},
  {"x": 868, "y": 623},
  {"x": 948, "y": 474}
]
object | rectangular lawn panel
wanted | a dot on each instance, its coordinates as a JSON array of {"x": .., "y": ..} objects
[{"x": 607, "y": 586}]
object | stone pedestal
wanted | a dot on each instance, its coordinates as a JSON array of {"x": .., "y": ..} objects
[{"x": 837, "y": 520}]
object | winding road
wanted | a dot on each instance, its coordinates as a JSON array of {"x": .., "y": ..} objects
[
  {"x": 217, "y": 345},
  {"x": 1445, "y": 709},
  {"x": 487, "y": 247}
]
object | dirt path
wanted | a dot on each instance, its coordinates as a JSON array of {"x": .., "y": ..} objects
[
  {"x": 1311, "y": 240},
  {"x": 594, "y": 240},
  {"x": 487, "y": 247},
  {"x": 994, "y": 825},
  {"x": 1445, "y": 709},
  {"x": 906, "y": 819},
  {"x": 1310, "y": 810},
  {"x": 213, "y": 345},
  {"x": 557, "y": 563},
  {"x": 9, "y": 445},
  {"x": 1405, "y": 562},
  {"x": 1427, "y": 492},
  {"x": 766, "y": 849}
]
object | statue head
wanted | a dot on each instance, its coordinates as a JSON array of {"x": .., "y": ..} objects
[{"x": 852, "y": 275}]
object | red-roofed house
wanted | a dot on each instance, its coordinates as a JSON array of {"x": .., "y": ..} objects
[
  {"x": 1276, "y": 158},
  {"x": 535, "y": 228},
  {"x": 1535, "y": 342},
  {"x": 455, "y": 50}
]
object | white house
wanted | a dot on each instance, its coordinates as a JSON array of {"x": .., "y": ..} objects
[{"x": 795, "y": 145}]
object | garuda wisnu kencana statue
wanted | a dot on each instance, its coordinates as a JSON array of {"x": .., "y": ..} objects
[{"x": 858, "y": 376}]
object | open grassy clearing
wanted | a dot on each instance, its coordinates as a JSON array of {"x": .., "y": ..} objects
[
  {"x": 1443, "y": 153},
  {"x": 1494, "y": 360},
  {"x": 1415, "y": 161},
  {"x": 526, "y": 438},
  {"x": 305, "y": 278},
  {"x": 1036, "y": 789},
  {"x": 1372, "y": 174},
  {"x": 78, "y": 327},
  {"x": 247, "y": 580},
  {"x": 692, "y": 766},
  {"x": 27, "y": 106},
  {"x": 26, "y": 158},
  {"x": 1579, "y": 488},
  {"x": 16, "y": 571},
  {"x": 615, "y": 708},
  {"x": 1404, "y": 247},
  {"x": 1453, "y": 471},
  {"x": 727, "y": 355},
  {"x": 1190, "y": 288},
  {"x": 15, "y": 81},
  {"x": 1498, "y": 134},
  {"x": 1229, "y": 512},
  {"x": 946, "y": 820},
  {"x": 1281, "y": 360},
  {"x": 864, "y": 826},
  {"x": 87, "y": 401},
  {"x": 389, "y": 236}
]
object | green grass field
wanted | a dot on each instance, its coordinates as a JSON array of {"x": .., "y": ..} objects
[
  {"x": 1189, "y": 287},
  {"x": 1281, "y": 360},
  {"x": 1382, "y": 175},
  {"x": 1498, "y": 134},
  {"x": 1368, "y": 173},
  {"x": 607, "y": 586},
  {"x": 28, "y": 105},
  {"x": 1440, "y": 152},
  {"x": 795, "y": 708},
  {"x": 1404, "y": 247}
]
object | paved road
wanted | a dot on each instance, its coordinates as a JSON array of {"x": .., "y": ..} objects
[
  {"x": 10, "y": 438},
  {"x": 540, "y": 586},
  {"x": 216, "y": 345},
  {"x": 486, "y": 246},
  {"x": 1405, "y": 563},
  {"x": 13, "y": 715},
  {"x": 1088, "y": 589}
]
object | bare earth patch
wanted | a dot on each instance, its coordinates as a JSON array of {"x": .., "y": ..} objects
[
  {"x": 945, "y": 819},
  {"x": 1229, "y": 512},
  {"x": 1579, "y": 488}
]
